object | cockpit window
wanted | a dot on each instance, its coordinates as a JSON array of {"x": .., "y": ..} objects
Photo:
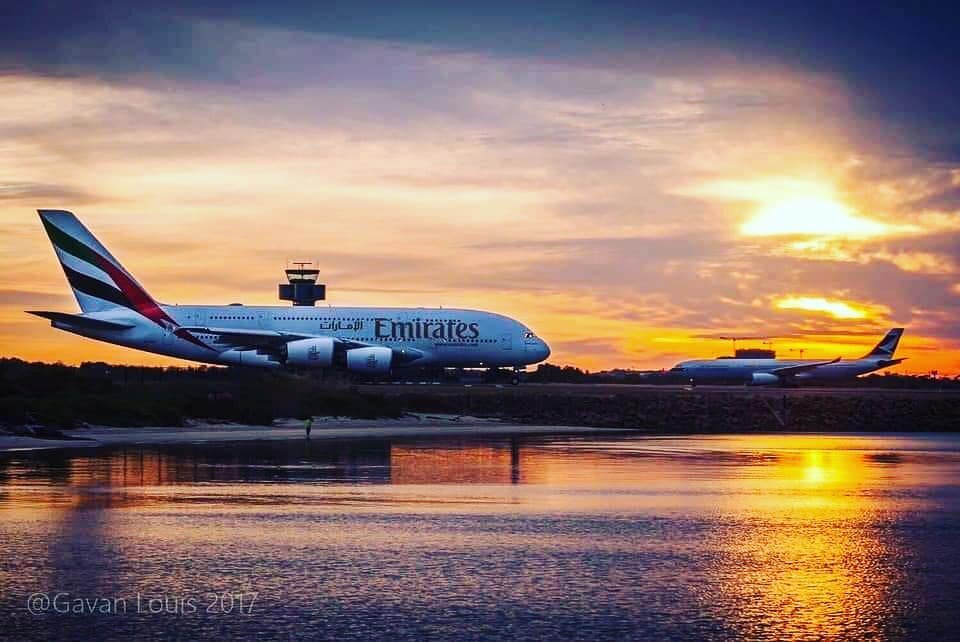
[{"x": 529, "y": 336}]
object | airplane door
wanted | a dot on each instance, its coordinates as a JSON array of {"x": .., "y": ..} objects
[
  {"x": 195, "y": 318},
  {"x": 506, "y": 341}
]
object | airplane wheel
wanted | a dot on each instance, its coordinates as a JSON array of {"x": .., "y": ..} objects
[{"x": 515, "y": 381}]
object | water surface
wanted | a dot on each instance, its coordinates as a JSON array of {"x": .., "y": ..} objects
[{"x": 760, "y": 537}]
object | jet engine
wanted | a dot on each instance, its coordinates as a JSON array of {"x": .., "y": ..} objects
[
  {"x": 311, "y": 353},
  {"x": 763, "y": 379},
  {"x": 373, "y": 360}
]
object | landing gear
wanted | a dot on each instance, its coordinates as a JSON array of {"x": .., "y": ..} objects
[{"x": 515, "y": 381}]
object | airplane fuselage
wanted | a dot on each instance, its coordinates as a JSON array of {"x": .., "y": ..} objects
[
  {"x": 444, "y": 337},
  {"x": 743, "y": 370}
]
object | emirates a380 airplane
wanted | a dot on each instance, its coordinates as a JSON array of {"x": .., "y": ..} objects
[{"x": 372, "y": 341}]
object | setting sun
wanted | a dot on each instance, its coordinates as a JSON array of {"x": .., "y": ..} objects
[{"x": 813, "y": 216}]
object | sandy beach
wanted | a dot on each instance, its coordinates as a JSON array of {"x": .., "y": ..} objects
[{"x": 324, "y": 428}]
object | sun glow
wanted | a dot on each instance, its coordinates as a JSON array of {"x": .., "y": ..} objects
[
  {"x": 811, "y": 216},
  {"x": 836, "y": 309},
  {"x": 784, "y": 206}
]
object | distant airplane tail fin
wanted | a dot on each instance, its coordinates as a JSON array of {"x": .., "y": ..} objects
[
  {"x": 887, "y": 346},
  {"x": 98, "y": 280}
]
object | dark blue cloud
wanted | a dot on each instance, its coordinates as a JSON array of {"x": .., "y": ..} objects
[{"x": 898, "y": 59}]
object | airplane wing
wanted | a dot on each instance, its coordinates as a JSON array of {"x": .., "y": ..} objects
[
  {"x": 273, "y": 342},
  {"x": 267, "y": 341},
  {"x": 789, "y": 371}
]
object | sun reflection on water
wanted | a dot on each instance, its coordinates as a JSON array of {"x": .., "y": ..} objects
[{"x": 816, "y": 561}]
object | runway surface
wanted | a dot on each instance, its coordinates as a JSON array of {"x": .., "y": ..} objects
[{"x": 610, "y": 389}]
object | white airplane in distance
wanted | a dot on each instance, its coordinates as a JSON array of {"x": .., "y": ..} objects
[
  {"x": 760, "y": 372},
  {"x": 371, "y": 341}
]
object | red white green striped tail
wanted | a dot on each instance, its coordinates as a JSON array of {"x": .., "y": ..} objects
[{"x": 98, "y": 280}]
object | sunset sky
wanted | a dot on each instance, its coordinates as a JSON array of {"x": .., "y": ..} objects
[{"x": 632, "y": 183}]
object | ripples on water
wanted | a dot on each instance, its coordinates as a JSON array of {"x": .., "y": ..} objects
[{"x": 760, "y": 537}]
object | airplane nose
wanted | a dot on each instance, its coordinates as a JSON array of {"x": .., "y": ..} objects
[{"x": 544, "y": 350}]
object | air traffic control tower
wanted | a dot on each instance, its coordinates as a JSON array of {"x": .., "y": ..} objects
[{"x": 301, "y": 287}]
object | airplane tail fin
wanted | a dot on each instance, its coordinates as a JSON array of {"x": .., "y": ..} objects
[
  {"x": 887, "y": 346},
  {"x": 98, "y": 280}
]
